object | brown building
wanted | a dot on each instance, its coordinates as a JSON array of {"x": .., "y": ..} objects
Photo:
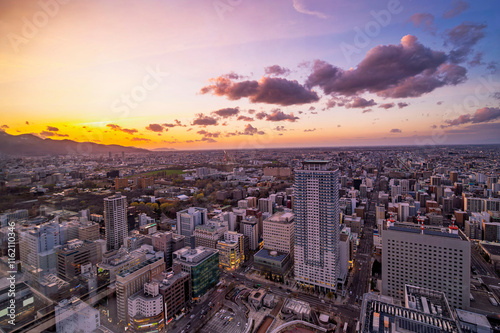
[
  {"x": 88, "y": 231},
  {"x": 175, "y": 286},
  {"x": 145, "y": 182},
  {"x": 120, "y": 183}
]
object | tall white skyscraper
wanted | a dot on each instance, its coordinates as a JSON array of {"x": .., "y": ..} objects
[
  {"x": 115, "y": 219},
  {"x": 317, "y": 226}
]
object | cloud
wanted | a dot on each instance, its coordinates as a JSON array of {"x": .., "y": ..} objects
[
  {"x": 209, "y": 140},
  {"x": 27, "y": 122},
  {"x": 463, "y": 38},
  {"x": 483, "y": 115},
  {"x": 439, "y": 102},
  {"x": 367, "y": 110},
  {"x": 251, "y": 111},
  {"x": 278, "y": 115},
  {"x": 280, "y": 128},
  {"x": 312, "y": 108},
  {"x": 46, "y": 134},
  {"x": 119, "y": 128},
  {"x": 402, "y": 105},
  {"x": 276, "y": 70},
  {"x": 300, "y": 6},
  {"x": 269, "y": 90},
  {"x": 209, "y": 134},
  {"x": 395, "y": 130},
  {"x": 424, "y": 21},
  {"x": 177, "y": 123},
  {"x": 261, "y": 115},
  {"x": 359, "y": 102},
  {"x": 250, "y": 130},
  {"x": 244, "y": 118},
  {"x": 140, "y": 139},
  {"x": 227, "y": 112},
  {"x": 232, "y": 76},
  {"x": 398, "y": 71},
  {"x": 202, "y": 120},
  {"x": 310, "y": 130},
  {"x": 62, "y": 135},
  {"x": 4, "y": 127},
  {"x": 386, "y": 105},
  {"x": 155, "y": 128},
  {"x": 52, "y": 129},
  {"x": 457, "y": 8}
]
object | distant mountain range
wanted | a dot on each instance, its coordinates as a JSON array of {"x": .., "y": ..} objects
[{"x": 29, "y": 144}]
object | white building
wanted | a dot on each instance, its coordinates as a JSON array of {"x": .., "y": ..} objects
[
  {"x": 147, "y": 302},
  {"x": 403, "y": 211},
  {"x": 73, "y": 315},
  {"x": 266, "y": 205},
  {"x": 37, "y": 247},
  {"x": 279, "y": 233},
  {"x": 317, "y": 226},
  {"x": 250, "y": 228},
  {"x": 115, "y": 219},
  {"x": 187, "y": 220},
  {"x": 434, "y": 258}
]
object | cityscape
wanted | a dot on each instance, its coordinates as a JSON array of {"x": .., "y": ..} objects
[{"x": 294, "y": 166}]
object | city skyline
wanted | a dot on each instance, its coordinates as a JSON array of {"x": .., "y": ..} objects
[{"x": 241, "y": 75}]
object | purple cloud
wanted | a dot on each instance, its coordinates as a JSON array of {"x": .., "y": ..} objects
[
  {"x": 227, "y": 112},
  {"x": 359, "y": 102},
  {"x": 386, "y": 105},
  {"x": 395, "y": 130},
  {"x": 278, "y": 115},
  {"x": 276, "y": 70},
  {"x": 244, "y": 118},
  {"x": 202, "y": 120},
  {"x": 155, "y": 128},
  {"x": 52, "y": 129},
  {"x": 402, "y": 105},
  {"x": 398, "y": 71},
  {"x": 483, "y": 115},
  {"x": 269, "y": 90},
  {"x": 457, "y": 8},
  {"x": 424, "y": 21},
  {"x": 463, "y": 38}
]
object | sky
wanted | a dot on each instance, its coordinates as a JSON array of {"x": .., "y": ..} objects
[{"x": 240, "y": 74}]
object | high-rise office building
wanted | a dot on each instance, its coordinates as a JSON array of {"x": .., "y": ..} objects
[
  {"x": 132, "y": 280},
  {"x": 37, "y": 247},
  {"x": 435, "y": 258},
  {"x": 187, "y": 220},
  {"x": 202, "y": 264},
  {"x": 115, "y": 219},
  {"x": 249, "y": 226},
  {"x": 317, "y": 225}
]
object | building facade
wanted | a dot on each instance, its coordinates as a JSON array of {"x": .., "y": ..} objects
[
  {"x": 434, "y": 258},
  {"x": 317, "y": 226},
  {"x": 115, "y": 219}
]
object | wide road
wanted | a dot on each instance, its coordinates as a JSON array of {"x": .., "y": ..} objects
[{"x": 480, "y": 265}]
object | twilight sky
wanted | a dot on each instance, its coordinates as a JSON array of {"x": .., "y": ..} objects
[{"x": 251, "y": 74}]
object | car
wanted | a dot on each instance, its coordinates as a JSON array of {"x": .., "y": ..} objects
[
  {"x": 192, "y": 316},
  {"x": 322, "y": 301},
  {"x": 239, "y": 324}
]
